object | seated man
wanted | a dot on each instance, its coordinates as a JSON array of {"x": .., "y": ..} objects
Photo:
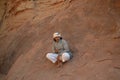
[{"x": 61, "y": 50}]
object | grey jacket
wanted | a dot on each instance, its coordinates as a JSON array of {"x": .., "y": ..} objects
[{"x": 62, "y": 47}]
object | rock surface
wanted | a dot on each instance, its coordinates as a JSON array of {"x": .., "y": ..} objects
[{"x": 91, "y": 27}]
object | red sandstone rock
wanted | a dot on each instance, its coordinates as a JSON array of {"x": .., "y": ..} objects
[{"x": 91, "y": 27}]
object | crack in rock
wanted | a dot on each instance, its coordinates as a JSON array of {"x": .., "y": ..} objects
[{"x": 103, "y": 60}]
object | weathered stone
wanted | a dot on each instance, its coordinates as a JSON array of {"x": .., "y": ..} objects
[{"x": 91, "y": 27}]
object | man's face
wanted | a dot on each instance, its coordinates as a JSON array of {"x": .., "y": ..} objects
[{"x": 57, "y": 38}]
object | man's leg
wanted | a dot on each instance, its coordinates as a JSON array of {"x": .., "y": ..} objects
[
  {"x": 52, "y": 57},
  {"x": 65, "y": 57}
]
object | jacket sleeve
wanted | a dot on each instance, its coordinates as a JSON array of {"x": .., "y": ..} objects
[
  {"x": 65, "y": 45},
  {"x": 53, "y": 47}
]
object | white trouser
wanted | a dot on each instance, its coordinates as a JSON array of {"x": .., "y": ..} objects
[{"x": 53, "y": 57}]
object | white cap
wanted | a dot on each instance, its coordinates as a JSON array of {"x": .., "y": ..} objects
[{"x": 56, "y": 34}]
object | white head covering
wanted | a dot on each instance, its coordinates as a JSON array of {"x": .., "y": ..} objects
[{"x": 56, "y": 34}]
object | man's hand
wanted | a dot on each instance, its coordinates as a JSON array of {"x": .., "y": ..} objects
[{"x": 56, "y": 50}]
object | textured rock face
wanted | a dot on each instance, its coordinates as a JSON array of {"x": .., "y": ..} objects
[
  {"x": 18, "y": 14},
  {"x": 91, "y": 27}
]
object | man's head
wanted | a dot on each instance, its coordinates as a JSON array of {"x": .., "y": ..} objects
[{"x": 56, "y": 36}]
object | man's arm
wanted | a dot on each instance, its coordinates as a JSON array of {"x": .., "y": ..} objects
[
  {"x": 65, "y": 45},
  {"x": 54, "y": 49}
]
